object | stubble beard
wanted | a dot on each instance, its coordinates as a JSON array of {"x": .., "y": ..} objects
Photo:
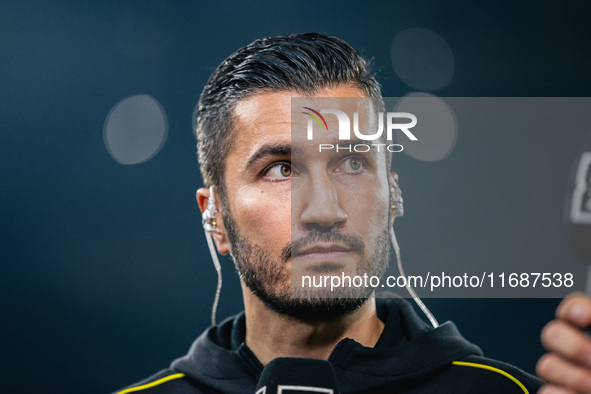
[{"x": 269, "y": 277}]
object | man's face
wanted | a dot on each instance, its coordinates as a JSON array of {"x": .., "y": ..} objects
[{"x": 290, "y": 211}]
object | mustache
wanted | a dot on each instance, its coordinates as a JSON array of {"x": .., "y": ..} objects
[{"x": 352, "y": 241}]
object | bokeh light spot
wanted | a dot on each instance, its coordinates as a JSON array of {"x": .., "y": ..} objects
[
  {"x": 135, "y": 129},
  {"x": 422, "y": 59},
  {"x": 436, "y": 129}
]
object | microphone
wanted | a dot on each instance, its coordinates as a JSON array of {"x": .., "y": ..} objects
[
  {"x": 579, "y": 211},
  {"x": 290, "y": 375}
]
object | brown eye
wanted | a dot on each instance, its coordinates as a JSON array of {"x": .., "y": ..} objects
[
  {"x": 278, "y": 172},
  {"x": 285, "y": 170}
]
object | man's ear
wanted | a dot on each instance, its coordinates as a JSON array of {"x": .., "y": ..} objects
[
  {"x": 219, "y": 238},
  {"x": 394, "y": 177}
]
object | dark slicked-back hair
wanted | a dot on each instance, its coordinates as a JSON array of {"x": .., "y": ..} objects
[{"x": 303, "y": 63}]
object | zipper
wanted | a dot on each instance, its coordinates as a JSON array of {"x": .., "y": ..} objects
[
  {"x": 257, "y": 364},
  {"x": 330, "y": 356},
  {"x": 254, "y": 361}
]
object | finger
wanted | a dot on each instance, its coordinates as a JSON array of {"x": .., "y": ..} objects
[
  {"x": 553, "y": 389},
  {"x": 576, "y": 309},
  {"x": 568, "y": 341},
  {"x": 557, "y": 371}
]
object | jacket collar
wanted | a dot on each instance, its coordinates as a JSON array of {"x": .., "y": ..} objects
[{"x": 408, "y": 348}]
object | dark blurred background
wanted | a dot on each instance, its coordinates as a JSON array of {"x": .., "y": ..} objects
[{"x": 105, "y": 273}]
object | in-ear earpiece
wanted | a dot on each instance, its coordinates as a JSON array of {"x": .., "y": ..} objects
[
  {"x": 210, "y": 225},
  {"x": 210, "y": 215},
  {"x": 396, "y": 203},
  {"x": 398, "y": 210}
]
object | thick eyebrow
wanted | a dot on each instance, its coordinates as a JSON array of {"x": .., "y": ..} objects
[{"x": 268, "y": 150}]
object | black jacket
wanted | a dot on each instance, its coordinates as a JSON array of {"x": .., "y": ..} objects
[{"x": 410, "y": 357}]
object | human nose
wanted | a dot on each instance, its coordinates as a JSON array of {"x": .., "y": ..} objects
[{"x": 321, "y": 209}]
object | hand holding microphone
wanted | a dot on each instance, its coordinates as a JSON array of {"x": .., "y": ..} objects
[{"x": 567, "y": 366}]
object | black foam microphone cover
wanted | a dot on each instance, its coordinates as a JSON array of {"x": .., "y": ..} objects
[
  {"x": 578, "y": 210},
  {"x": 290, "y": 375}
]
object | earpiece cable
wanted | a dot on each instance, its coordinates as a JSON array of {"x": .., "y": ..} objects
[
  {"x": 395, "y": 245},
  {"x": 218, "y": 268},
  {"x": 411, "y": 291}
]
